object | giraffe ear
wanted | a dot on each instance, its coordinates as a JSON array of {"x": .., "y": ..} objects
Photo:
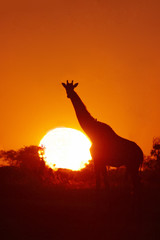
[
  {"x": 64, "y": 85},
  {"x": 75, "y": 85}
]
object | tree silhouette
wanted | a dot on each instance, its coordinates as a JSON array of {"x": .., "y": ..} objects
[
  {"x": 31, "y": 165},
  {"x": 9, "y": 157},
  {"x": 152, "y": 161},
  {"x": 156, "y": 149},
  {"x": 26, "y": 157}
]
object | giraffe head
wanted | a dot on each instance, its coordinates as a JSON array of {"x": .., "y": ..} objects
[{"x": 69, "y": 88}]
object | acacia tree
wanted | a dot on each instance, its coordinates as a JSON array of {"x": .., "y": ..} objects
[
  {"x": 9, "y": 157},
  {"x": 25, "y": 165},
  {"x": 27, "y": 158},
  {"x": 155, "y": 152},
  {"x": 156, "y": 148}
]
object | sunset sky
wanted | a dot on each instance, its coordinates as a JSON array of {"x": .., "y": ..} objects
[{"x": 112, "y": 48}]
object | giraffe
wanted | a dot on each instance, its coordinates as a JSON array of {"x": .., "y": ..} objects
[{"x": 108, "y": 148}]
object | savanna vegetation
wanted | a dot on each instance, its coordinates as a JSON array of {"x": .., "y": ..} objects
[
  {"x": 40, "y": 203},
  {"x": 27, "y": 166}
]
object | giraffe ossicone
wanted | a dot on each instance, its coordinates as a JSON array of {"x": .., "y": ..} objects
[{"x": 69, "y": 87}]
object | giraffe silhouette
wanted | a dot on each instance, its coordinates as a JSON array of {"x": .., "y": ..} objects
[{"x": 108, "y": 149}]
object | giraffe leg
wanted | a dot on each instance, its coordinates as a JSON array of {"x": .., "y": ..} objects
[
  {"x": 136, "y": 182},
  {"x": 105, "y": 177},
  {"x": 137, "y": 194},
  {"x": 106, "y": 194},
  {"x": 97, "y": 174},
  {"x": 135, "y": 178}
]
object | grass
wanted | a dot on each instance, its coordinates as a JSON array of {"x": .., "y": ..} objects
[{"x": 71, "y": 211}]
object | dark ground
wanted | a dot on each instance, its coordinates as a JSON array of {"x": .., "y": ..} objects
[{"x": 56, "y": 213}]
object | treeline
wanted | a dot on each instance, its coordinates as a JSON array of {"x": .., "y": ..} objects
[
  {"x": 24, "y": 166},
  {"x": 27, "y": 166}
]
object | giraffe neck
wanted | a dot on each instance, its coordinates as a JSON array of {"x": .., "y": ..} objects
[
  {"x": 94, "y": 129},
  {"x": 85, "y": 119}
]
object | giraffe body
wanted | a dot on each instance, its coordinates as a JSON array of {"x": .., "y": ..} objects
[{"x": 108, "y": 149}]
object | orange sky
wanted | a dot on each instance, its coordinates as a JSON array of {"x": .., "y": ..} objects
[{"x": 110, "y": 47}]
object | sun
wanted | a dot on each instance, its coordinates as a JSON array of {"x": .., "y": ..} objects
[{"x": 66, "y": 148}]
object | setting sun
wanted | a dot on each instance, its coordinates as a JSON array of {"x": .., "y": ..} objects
[{"x": 66, "y": 148}]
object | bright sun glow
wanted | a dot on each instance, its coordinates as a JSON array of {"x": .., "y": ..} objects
[{"x": 66, "y": 148}]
